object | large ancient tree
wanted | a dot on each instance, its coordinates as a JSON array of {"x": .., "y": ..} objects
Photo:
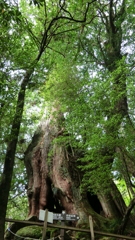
[
  {"x": 87, "y": 142},
  {"x": 98, "y": 153},
  {"x": 35, "y": 38},
  {"x": 53, "y": 175}
]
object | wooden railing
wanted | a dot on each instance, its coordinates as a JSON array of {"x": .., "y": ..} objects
[{"x": 105, "y": 234}]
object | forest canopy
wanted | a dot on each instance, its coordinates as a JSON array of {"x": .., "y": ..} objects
[{"x": 75, "y": 61}]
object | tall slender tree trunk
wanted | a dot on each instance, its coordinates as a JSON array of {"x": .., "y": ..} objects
[
  {"x": 5, "y": 182},
  {"x": 114, "y": 62}
]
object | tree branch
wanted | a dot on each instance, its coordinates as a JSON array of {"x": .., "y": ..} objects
[
  {"x": 126, "y": 217},
  {"x": 111, "y": 17},
  {"x": 56, "y": 19},
  {"x": 57, "y": 51}
]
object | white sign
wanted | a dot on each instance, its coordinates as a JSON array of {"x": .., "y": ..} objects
[
  {"x": 42, "y": 216},
  {"x": 67, "y": 217}
]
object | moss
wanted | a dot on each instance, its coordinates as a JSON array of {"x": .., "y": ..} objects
[
  {"x": 29, "y": 232},
  {"x": 35, "y": 232}
]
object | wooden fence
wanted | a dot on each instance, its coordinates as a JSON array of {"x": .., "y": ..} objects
[{"x": 105, "y": 234}]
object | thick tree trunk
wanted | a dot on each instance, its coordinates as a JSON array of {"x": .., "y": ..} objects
[
  {"x": 54, "y": 180},
  {"x": 53, "y": 177}
]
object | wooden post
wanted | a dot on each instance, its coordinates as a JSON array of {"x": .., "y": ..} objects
[
  {"x": 62, "y": 223},
  {"x": 91, "y": 228},
  {"x": 45, "y": 225}
]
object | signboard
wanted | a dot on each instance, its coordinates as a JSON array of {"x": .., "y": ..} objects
[
  {"x": 42, "y": 216},
  {"x": 67, "y": 217},
  {"x": 57, "y": 216}
]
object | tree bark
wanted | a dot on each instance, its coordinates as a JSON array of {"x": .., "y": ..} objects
[
  {"x": 54, "y": 179},
  {"x": 10, "y": 154}
]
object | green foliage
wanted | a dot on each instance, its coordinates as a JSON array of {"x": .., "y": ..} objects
[
  {"x": 87, "y": 72},
  {"x": 26, "y": 32},
  {"x": 17, "y": 207},
  {"x": 124, "y": 191},
  {"x": 93, "y": 94}
]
